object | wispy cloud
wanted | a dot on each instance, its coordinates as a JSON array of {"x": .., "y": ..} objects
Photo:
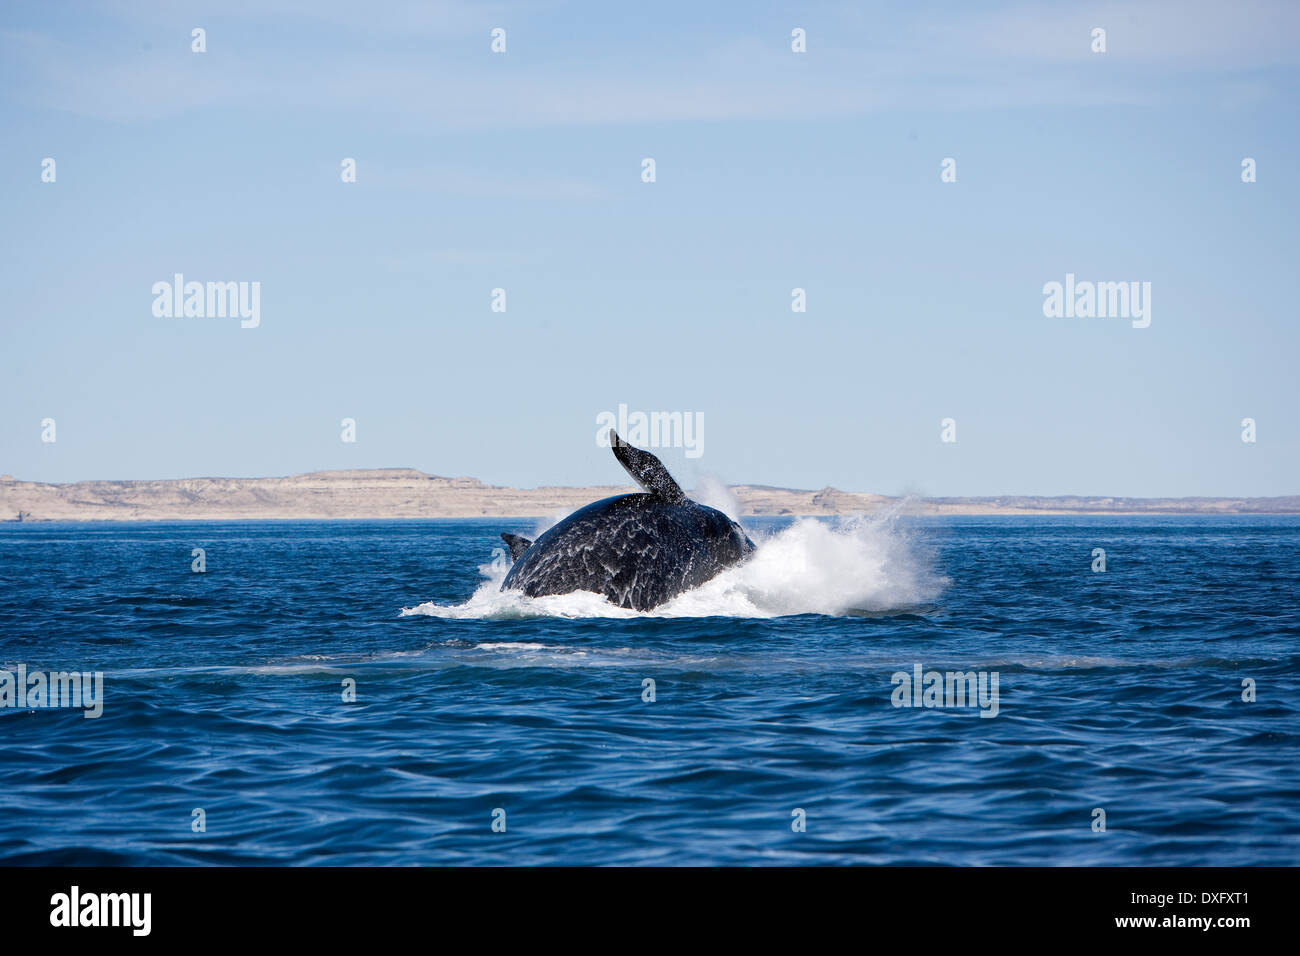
[{"x": 1016, "y": 56}]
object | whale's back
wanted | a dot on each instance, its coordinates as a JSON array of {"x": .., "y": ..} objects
[{"x": 638, "y": 550}]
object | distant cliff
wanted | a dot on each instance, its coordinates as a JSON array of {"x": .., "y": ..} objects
[{"x": 407, "y": 493}]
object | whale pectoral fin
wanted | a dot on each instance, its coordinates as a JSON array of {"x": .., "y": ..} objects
[
  {"x": 648, "y": 470},
  {"x": 518, "y": 544}
]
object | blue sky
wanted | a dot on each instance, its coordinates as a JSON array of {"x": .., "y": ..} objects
[{"x": 774, "y": 170}]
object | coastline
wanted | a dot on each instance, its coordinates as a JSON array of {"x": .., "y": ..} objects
[{"x": 384, "y": 493}]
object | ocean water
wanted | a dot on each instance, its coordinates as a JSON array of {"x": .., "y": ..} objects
[{"x": 774, "y": 698}]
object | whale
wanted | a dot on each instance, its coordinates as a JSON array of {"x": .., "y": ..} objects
[{"x": 639, "y": 550}]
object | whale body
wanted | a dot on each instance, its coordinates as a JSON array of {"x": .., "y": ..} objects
[{"x": 639, "y": 550}]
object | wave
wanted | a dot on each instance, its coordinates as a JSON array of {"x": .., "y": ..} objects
[{"x": 858, "y": 565}]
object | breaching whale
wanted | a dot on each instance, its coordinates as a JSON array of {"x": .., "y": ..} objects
[{"x": 638, "y": 550}]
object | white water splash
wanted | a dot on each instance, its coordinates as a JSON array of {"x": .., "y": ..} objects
[
  {"x": 860, "y": 564},
  {"x": 712, "y": 491}
]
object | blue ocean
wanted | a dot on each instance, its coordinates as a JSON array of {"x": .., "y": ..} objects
[{"x": 361, "y": 693}]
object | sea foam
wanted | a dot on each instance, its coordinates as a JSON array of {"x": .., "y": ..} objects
[{"x": 853, "y": 565}]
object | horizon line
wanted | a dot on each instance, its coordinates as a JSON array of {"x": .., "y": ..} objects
[{"x": 342, "y": 472}]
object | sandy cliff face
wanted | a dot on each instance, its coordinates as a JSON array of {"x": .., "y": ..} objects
[
  {"x": 407, "y": 493},
  {"x": 373, "y": 493}
]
